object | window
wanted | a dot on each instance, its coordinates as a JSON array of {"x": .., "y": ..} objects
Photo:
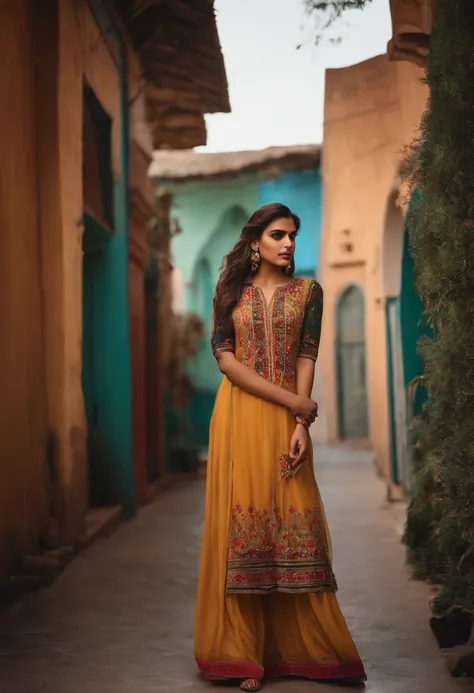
[{"x": 97, "y": 160}]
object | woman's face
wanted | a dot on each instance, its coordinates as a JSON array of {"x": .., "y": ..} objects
[{"x": 277, "y": 243}]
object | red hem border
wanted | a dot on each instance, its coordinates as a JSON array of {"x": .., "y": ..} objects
[
  {"x": 230, "y": 670},
  {"x": 332, "y": 670}
]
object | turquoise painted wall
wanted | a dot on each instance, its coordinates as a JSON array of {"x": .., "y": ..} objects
[
  {"x": 199, "y": 208},
  {"x": 203, "y": 368},
  {"x": 301, "y": 191},
  {"x": 117, "y": 367},
  {"x": 107, "y": 359},
  {"x": 413, "y": 323},
  {"x": 411, "y": 314},
  {"x": 211, "y": 216}
]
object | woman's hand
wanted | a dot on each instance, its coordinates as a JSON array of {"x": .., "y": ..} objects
[
  {"x": 300, "y": 443},
  {"x": 306, "y": 406}
]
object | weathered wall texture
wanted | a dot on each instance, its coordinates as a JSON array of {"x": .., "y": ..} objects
[
  {"x": 372, "y": 111},
  {"x": 83, "y": 56},
  {"x": 23, "y": 427}
]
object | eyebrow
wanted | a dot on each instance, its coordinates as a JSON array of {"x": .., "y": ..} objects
[{"x": 282, "y": 231}]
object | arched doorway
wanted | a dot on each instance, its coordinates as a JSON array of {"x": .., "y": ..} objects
[
  {"x": 351, "y": 365},
  {"x": 392, "y": 251}
]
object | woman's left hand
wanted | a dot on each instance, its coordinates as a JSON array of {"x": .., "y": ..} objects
[{"x": 300, "y": 442}]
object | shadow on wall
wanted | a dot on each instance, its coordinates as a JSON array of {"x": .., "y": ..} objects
[{"x": 203, "y": 370}]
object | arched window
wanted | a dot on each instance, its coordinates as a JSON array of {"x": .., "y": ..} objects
[{"x": 351, "y": 364}]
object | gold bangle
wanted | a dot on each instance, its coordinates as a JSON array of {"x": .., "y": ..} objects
[{"x": 302, "y": 422}]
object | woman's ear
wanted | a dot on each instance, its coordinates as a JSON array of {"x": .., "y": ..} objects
[{"x": 254, "y": 245}]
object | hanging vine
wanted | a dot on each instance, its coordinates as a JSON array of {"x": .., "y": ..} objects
[{"x": 440, "y": 525}]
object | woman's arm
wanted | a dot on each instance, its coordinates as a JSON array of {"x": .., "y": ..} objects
[
  {"x": 304, "y": 376},
  {"x": 309, "y": 343},
  {"x": 244, "y": 377},
  {"x": 305, "y": 366},
  {"x": 300, "y": 440}
]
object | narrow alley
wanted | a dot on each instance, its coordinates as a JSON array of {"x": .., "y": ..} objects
[{"x": 120, "y": 618}]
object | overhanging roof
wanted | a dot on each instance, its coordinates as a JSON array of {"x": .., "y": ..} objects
[
  {"x": 181, "y": 166},
  {"x": 183, "y": 66}
]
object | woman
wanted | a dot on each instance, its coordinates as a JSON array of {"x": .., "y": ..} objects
[{"x": 266, "y": 602}]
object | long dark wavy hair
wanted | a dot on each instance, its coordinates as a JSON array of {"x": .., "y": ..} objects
[{"x": 236, "y": 267}]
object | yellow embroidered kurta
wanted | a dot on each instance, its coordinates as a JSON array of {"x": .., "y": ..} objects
[{"x": 266, "y": 603}]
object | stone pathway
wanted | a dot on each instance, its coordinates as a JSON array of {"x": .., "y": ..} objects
[{"x": 120, "y": 618}]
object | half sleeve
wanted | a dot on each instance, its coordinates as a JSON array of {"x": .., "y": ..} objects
[
  {"x": 219, "y": 341},
  {"x": 311, "y": 328}
]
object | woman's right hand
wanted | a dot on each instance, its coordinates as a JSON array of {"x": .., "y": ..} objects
[{"x": 305, "y": 406}]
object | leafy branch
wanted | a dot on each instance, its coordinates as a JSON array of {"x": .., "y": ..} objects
[{"x": 327, "y": 12}]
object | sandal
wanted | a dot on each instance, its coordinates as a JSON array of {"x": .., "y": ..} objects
[{"x": 251, "y": 685}]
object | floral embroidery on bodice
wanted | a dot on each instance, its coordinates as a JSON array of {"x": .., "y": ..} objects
[{"x": 269, "y": 336}]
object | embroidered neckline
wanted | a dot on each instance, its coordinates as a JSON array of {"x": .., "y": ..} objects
[
  {"x": 278, "y": 286},
  {"x": 259, "y": 288},
  {"x": 269, "y": 338}
]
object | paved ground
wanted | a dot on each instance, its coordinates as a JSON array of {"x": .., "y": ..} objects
[{"x": 120, "y": 618}]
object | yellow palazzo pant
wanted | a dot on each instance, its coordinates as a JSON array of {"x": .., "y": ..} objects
[{"x": 257, "y": 618}]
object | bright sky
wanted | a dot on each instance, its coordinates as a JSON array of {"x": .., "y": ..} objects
[{"x": 277, "y": 91}]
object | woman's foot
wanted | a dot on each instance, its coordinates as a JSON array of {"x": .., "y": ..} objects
[{"x": 251, "y": 685}]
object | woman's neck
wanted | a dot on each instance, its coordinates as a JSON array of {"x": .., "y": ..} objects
[{"x": 269, "y": 275}]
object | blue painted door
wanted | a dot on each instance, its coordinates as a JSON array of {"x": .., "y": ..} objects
[
  {"x": 101, "y": 491},
  {"x": 96, "y": 295}
]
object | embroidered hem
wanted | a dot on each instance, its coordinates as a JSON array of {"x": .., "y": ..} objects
[
  {"x": 274, "y": 551},
  {"x": 260, "y": 578},
  {"x": 218, "y": 670}
]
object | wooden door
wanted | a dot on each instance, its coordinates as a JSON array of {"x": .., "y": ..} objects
[{"x": 351, "y": 365}]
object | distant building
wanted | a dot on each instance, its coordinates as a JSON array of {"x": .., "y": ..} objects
[
  {"x": 213, "y": 197},
  {"x": 372, "y": 314}
]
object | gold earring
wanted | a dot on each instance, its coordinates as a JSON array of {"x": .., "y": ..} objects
[
  {"x": 288, "y": 269},
  {"x": 255, "y": 259}
]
